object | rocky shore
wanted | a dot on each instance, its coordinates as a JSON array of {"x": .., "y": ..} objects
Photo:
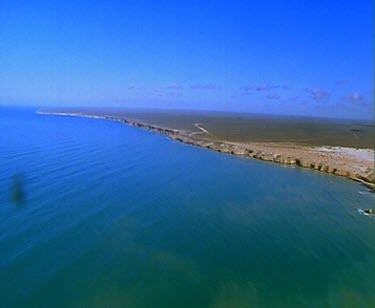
[{"x": 355, "y": 164}]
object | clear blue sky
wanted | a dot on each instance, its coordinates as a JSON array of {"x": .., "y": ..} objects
[{"x": 285, "y": 57}]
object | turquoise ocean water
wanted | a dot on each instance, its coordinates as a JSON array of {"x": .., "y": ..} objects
[{"x": 114, "y": 216}]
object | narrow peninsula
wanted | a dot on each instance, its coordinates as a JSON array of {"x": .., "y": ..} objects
[{"x": 342, "y": 148}]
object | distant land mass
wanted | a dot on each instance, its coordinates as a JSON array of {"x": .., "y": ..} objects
[{"x": 335, "y": 146}]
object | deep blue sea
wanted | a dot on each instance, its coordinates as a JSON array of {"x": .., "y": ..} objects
[{"x": 97, "y": 214}]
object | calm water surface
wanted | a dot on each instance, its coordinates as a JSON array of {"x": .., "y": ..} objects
[{"x": 119, "y": 217}]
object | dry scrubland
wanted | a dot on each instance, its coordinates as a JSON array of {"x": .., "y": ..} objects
[{"x": 339, "y": 147}]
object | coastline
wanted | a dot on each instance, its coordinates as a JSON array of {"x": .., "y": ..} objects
[{"x": 354, "y": 164}]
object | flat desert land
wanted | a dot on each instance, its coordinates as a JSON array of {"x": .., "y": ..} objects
[{"x": 340, "y": 147}]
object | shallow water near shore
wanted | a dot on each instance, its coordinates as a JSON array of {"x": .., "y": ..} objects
[{"x": 117, "y": 216}]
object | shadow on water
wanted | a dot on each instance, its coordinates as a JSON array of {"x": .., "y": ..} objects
[{"x": 18, "y": 190}]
